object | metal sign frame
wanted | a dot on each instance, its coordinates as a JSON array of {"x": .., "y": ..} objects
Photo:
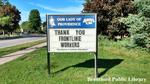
[{"x": 48, "y": 43}]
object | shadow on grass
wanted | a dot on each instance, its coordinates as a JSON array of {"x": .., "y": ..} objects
[{"x": 107, "y": 64}]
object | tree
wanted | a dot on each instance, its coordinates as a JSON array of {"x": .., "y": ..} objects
[
  {"x": 44, "y": 24},
  {"x": 1, "y": 3},
  {"x": 4, "y": 2},
  {"x": 143, "y": 7},
  {"x": 109, "y": 11},
  {"x": 8, "y": 10},
  {"x": 4, "y": 23},
  {"x": 44, "y": 27},
  {"x": 139, "y": 25},
  {"x": 25, "y": 26},
  {"x": 35, "y": 20}
]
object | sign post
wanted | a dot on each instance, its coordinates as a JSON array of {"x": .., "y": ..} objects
[
  {"x": 48, "y": 54},
  {"x": 72, "y": 33}
]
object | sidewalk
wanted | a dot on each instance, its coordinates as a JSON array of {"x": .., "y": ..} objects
[{"x": 6, "y": 58}]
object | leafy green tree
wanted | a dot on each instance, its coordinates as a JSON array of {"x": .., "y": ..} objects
[
  {"x": 35, "y": 20},
  {"x": 25, "y": 26},
  {"x": 8, "y": 10},
  {"x": 5, "y": 20},
  {"x": 1, "y": 3},
  {"x": 44, "y": 24},
  {"x": 143, "y": 7},
  {"x": 139, "y": 25},
  {"x": 44, "y": 27},
  {"x": 109, "y": 11},
  {"x": 4, "y": 2},
  {"x": 139, "y": 28},
  {"x": 4, "y": 23}
]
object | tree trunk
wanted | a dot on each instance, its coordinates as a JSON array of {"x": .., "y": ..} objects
[{"x": 3, "y": 32}]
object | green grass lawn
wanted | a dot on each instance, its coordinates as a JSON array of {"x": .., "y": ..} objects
[
  {"x": 8, "y": 50},
  {"x": 75, "y": 68}
]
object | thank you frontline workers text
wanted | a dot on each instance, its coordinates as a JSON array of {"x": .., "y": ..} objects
[{"x": 72, "y": 33}]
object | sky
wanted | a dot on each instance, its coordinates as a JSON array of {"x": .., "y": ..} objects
[{"x": 47, "y": 7}]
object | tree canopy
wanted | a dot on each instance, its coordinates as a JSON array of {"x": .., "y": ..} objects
[
  {"x": 9, "y": 16},
  {"x": 35, "y": 20},
  {"x": 139, "y": 25},
  {"x": 109, "y": 11},
  {"x": 25, "y": 26}
]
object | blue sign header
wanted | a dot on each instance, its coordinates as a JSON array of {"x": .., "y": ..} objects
[{"x": 71, "y": 21}]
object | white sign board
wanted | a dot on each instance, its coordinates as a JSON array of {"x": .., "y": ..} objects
[{"x": 72, "y": 33}]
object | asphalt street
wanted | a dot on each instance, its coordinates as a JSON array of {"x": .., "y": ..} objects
[{"x": 13, "y": 42}]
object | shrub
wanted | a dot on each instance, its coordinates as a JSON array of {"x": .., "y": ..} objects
[
  {"x": 140, "y": 40},
  {"x": 139, "y": 28}
]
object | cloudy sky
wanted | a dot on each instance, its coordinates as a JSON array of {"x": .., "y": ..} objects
[{"x": 48, "y": 7}]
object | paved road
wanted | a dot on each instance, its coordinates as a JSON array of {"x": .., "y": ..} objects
[{"x": 13, "y": 42}]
